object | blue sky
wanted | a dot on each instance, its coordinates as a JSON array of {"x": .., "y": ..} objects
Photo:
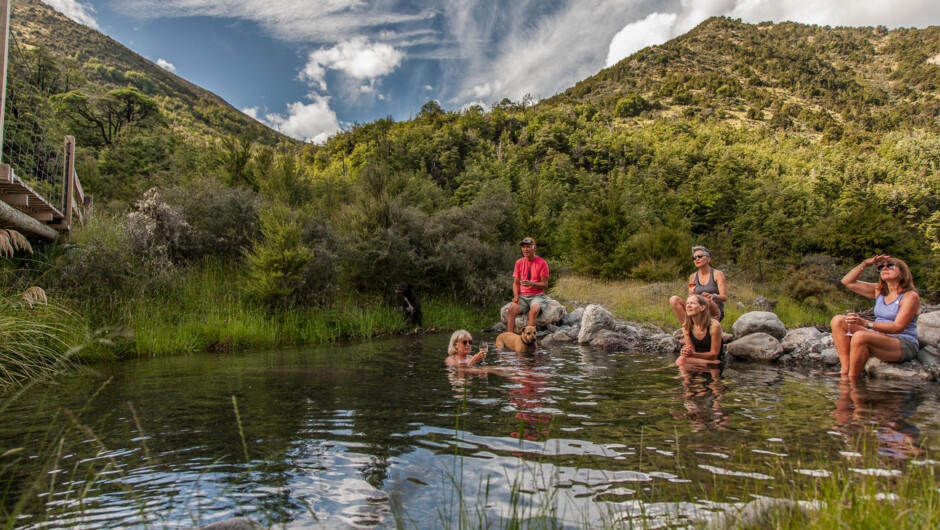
[{"x": 311, "y": 67}]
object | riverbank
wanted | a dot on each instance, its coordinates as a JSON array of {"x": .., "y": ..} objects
[{"x": 648, "y": 303}]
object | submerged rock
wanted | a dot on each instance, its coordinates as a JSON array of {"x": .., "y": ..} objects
[
  {"x": 909, "y": 370},
  {"x": 238, "y": 523},
  {"x": 759, "y": 322}
]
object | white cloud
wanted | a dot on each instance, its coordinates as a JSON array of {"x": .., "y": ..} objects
[
  {"x": 75, "y": 10},
  {"x": 357, "y": 58},
  {"x": 654, "y": 29},
  {"x": 166, "y": 65},
  {"x": 428, "y": 87},
  {"x": 251, "y": 111},
  {"x": 310, "y": 122}
]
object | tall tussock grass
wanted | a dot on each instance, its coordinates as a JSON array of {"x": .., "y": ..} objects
[{"x": 34, "y": 338}]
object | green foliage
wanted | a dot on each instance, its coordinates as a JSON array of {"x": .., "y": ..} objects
[
  {"x": 631, "y": 105},
  {"x": 276, "y": 262}
]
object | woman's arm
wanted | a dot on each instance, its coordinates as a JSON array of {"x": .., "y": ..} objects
[
  {"x": 910, "y": 306},
  {"x": 850, "y": 280},
  {"x": 692, "y": 283},
  {"x": 477, "y": 358}
]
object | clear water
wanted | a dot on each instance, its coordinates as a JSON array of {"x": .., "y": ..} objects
[{"x": 382, "y": 434}]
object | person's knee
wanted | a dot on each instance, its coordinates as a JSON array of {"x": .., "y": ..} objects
[
  {"x": 535, "y": 310},
  {"x": 515, "y": 308},
  {"x": 837, "y": 320}
]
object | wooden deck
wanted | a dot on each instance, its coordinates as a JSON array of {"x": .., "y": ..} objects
[{"x": 24, "y": 209}]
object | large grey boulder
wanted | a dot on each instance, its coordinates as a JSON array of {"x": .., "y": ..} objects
[
  {"x": 928, "y": 356},
  {"x": 911, "y": 370},
  {"x": 802, "y": 341},
  {"x": 928, "y": 329},
  {"x": 595, "y": 319},
  {"x": 573, "y": 317},
  {"x": 759, "y": 322},
  {"x": 756, "y": 347},
  {"x": 553, "y": 314}
]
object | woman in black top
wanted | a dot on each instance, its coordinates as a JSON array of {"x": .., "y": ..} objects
[{"x": 702, "y": 334}]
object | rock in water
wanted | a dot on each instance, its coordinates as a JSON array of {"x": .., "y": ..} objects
[
  {"x": 928, "y": 329},
  {"x": 802, "y": 341},
  {"x": 551, "y": 315},
  {"x": 595, "y": 319},
  {"x": 756, "y": 347},
  {"x": 759, "y": 322}
]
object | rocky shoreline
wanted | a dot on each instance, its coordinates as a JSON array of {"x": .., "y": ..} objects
[{"x": 758, "y": 336}]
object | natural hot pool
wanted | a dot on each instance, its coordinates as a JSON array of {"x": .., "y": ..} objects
[{"x": 361, "y": 434}]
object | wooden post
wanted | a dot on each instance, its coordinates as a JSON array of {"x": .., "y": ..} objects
[
  {"x": 68, "y": 181},
  {"x": 4, "y": 53}
]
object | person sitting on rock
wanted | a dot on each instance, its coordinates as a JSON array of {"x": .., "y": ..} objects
[
  {"x": 707, "y": 282},
  {"x": 529, "y": 281},
  {"x": 702, "y": 335},
  {"x": 892, "y": 336}
]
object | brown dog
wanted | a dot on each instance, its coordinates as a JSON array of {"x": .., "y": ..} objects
[{"x": 525, "y": 342}]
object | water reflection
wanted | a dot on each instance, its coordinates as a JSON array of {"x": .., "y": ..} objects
[
  {"x": 528, "y": 392},
  {"x": 703, "y": 391},
  {"x": 863, "y": 405}
]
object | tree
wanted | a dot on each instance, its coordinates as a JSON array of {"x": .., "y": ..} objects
[
  {"x": 110, "y": 114},
  {"x": 276, "y": 262}
]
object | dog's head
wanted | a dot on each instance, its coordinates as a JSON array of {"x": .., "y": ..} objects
[
  {"x": 528, "y": 334},
  {"x": 403, "y": 287}
]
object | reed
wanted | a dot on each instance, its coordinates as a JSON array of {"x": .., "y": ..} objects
[{"x": 36, "y": 338}]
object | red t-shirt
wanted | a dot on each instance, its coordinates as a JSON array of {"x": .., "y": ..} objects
[{"x": 535, "y": 270}]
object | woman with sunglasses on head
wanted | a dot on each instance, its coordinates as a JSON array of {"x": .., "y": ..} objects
[
  {"x": 707, "y": 282},
  {"x": 458, "y": 353},
  {"x": 892, "y": 336}
]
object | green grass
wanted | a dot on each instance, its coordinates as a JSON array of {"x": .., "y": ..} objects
[
  {"x": 649, "y": 302},
  {"x": 35, "y": 340},
  {"x": 206, "y": 310}
]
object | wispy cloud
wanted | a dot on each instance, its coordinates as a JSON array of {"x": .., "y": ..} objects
[
  {"x": 166, "y": 65},
  {"x": 75, "y": 10}
]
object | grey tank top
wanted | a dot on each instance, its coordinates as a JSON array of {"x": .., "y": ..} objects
[{"x": 710, "y": 287}]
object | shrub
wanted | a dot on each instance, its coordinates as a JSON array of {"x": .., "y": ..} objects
[
  {"x": 224, "y": 219},
  {"x": 276, "y": 262}
]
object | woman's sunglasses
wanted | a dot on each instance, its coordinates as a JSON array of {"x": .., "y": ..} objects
[
  {"x": 465, "y": 342},
  {"x": 700, "y": 256},
  {"x": 883, "y": 266}
]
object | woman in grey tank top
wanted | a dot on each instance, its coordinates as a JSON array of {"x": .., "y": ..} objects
[
  {"x": 892, "y": 336},
  {"x": 707, "y": 282}
]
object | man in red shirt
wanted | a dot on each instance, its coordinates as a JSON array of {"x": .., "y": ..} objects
[{"x": 529, "y": 281}]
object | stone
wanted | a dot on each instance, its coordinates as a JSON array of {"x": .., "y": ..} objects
[
  {"x": 928, "y": 329},
  {"x": 727, "y": 338},
  {"x": 759, "y": 322},
  {"x": 760, "y": 513},
  {"x": 551, "y": 328},
  {"x": 553, "y": 314},
  {"x": 573, "y": 331},
  {"x": 237, "y": 523},
  {"x": 498, "y": 327},
  {"x": 802, "y": 341},
  {"x": 612, "y": 341},
  {"x": 662, "y": 343},
  {"x": 595, "y": 319},
  {"x": 756, "y": 347},
  {"x": 559, "y": 336},
  {"x": 928, "y": 356},
  {"x": 830, "y": 356},
  {"x": 763, "y": 304},
  {"x": 897, "y": 371},
  {"x": 573, "y": 317},
  {"x": 826, "y": 341},
  {"x": 678, "y": 334}
]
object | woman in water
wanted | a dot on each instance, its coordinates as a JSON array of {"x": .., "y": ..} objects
[
  {"x": 702, "y": 342},
  {"x": 892, "y": 336},
  {"x": 458, "y": 353},
  {"x": 707, "y": 282}
]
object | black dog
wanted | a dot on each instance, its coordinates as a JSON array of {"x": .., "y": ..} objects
[{"x": 409, "y": 304}]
